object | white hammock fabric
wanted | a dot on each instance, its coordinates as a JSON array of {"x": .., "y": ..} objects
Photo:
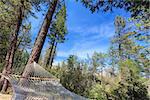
[{"x": 41, "y": 85}]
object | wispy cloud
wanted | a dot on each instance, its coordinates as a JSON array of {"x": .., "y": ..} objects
[
  {"x": 87, "y": 32},
  {"x": 82, "y": 53},
  {"x": 88, "y": 40},
  {"x": 97, "y": 31}
]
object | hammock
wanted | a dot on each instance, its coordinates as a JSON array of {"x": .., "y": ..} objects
[{"x": 41, "y": 85}]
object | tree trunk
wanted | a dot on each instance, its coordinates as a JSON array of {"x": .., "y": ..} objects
[
  {"x": 50, "y": 54},
  {"x": 11, "y": 51},
  {"x": 9, "y": 67},
  {"x": 119, "y": 47},
  {"x": 39, "y": 42},
  {"x": 53, "y": 55}
]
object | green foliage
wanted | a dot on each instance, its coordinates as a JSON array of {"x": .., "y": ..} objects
[
  {"x": 74, "y": 79},
  {"x": 131, "y": 91},
  {"x": 20, "y": 60},
  {"x": 10, "y": 10},
  {"x": 126, "y": 54},
  {"x": 130, "y": 87},
  {"x": 3, "y": 45},
  {"x": 97, "y": 92},
  {"x": 58, "y": 31},
  {"x": 24, "y": 38},
  {"x": 71, "y": 62},
  {"x": 127, "y": 66},
  {"x": 99, "y": 60},
  {"x": 58, "y": 70},
  {"x": 127, "y": 84},
  {"x": 120, "y": 23},
  {"x": 58, "y": 28},
  {"x": 138, "y": 9}
]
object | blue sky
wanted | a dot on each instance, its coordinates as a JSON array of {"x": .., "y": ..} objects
[{"x": 86, "y": 32}]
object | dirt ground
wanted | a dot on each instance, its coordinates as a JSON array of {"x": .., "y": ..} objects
[{"x": 5, "y": 97}]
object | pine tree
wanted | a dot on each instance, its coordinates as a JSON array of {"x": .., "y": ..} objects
[
  {"x": 40, "y": 39},
  {"x": 98, "y": 61},
  {"x": 131, "y": 86},
  {"x": 11, "y": 51},
  {"x": 57, "y": 34},
  {"x": 38, "y": 45},
  {"x": 14, "y": 13}
]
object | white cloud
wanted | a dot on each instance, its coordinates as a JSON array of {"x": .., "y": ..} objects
[
  {"x": 81, "y": 53},
  {"x": 98, "y": 31},
  {"x": 88, "y": 40},
  {"x": 82, "y": 49}
]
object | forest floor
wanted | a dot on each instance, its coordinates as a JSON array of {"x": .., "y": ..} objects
[{"x": 5, "y": 96}]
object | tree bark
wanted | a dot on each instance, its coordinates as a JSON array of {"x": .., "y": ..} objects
[
  {"x": 50, "y": 53},
  {"x": 11, "y": 51},
  {"x": 53, "y": 55},
  {"x": 39, "y": 42}
]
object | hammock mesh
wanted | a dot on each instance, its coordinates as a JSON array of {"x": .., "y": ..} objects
[{"x": 41, "y": 85}]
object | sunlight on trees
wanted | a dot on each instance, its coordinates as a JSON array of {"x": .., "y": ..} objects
[{"x": 121, "y": 73}]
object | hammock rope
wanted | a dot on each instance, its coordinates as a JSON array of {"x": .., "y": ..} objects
[{"x": 41, "y": 85}]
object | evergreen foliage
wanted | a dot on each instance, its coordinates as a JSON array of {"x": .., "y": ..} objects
[{"x": 122, "y": 73}]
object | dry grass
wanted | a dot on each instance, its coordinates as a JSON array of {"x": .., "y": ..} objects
[{"x": 5, "y": 96}]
